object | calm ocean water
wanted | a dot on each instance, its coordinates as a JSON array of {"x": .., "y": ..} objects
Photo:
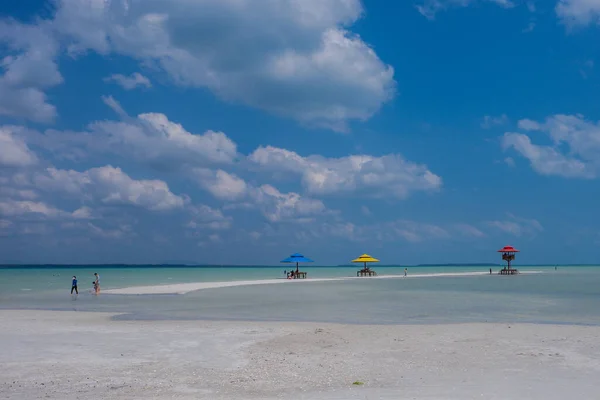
[{"x": 570, "y": 295}]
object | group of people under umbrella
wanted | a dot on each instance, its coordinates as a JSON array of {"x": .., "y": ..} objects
[{"x": 298, "y": 258}]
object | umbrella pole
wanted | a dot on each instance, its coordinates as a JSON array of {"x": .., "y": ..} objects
[{"x": 297, "y": 270}]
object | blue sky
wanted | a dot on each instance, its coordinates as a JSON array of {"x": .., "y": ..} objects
[{"x": 238, "y": 132}]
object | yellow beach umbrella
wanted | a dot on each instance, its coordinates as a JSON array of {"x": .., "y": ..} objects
[{"x": 365, "y": 258}]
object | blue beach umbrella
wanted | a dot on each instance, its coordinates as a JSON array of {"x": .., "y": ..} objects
[{"x": 296, "y": 258}]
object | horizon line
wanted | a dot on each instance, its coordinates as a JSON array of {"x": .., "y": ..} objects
[{"x": 158, "y": 265}]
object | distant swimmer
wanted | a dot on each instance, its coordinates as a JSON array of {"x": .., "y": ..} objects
[{"x": 74, "y": 285}]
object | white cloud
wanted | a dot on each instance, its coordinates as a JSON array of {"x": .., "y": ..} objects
[
  {"x": 429, "y": 8},
  {"x": 528, "y": 125},
  {"x": 114, "y": 105},
  {"x": 28, "y": 68},
  {"x": 366, "y": 211},
  {"x": 517, "y": 226},
  {"x": 582, "y": 160},
  {"x": 203, "y": 216},
  {"x": 110, "y": 185},
  {"x": 83, "y": 213},
  {"x": 11, "y": 192},
  {"x": 546, "y": 160},
  {"x": 213, "y": 146},
  {"x": 578, "y": 12},
  {"x": 221, "y": 184},
  {"x": 13, "y": 150},
  {"x": 489, "y": 121},
  {"x": 273, "y": 204},
  {"x": 129, "y": 82},
  {"x": 295, "y": 58},
  {"x": 154, "y": 138},
  {"x": 11, "y": 208},
  {"x": 277, "y": 206},
  {"x": 389, "y": 175},
  {"x": 21, "y": 208},
  {"x": 150, "y": 138}
]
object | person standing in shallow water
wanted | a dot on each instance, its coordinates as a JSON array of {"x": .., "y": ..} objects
[
  {"x": 97, "y": 283},
  {"x": 405, "y": 271},
  {"x": 74, "y": 285}
]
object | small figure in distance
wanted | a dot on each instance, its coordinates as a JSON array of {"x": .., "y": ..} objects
[
  {"x": 405, "y": 271},
  {"x": 74, "y": 285},
  {"x": 97, "y": 283},
  {"x": 490, "y": 271}
]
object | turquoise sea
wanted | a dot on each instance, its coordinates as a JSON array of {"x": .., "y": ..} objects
[{"x": 569, "y": 295}]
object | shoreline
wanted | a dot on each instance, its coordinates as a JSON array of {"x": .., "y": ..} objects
[
  {"x": 183, "y": 288},
  {"x": 73, "y": 355}
]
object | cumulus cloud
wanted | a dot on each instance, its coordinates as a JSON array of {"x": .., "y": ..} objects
[
  {"x": 28, "y": 68},
  {"x": 27, "y": 208},
  {"x": 379, "y": 176},
  {"x": 221, "y": 184},
  {"x": 129, "y": 82},
  {"x": 151, "y": 138},
  {"x": 205, "y": 217},
  {"x": 11, "y": 208},
  {"x": 13, "y": 150},
  {"x": 109, "y": 185},
  {"x": 581, "y": 137},
  {"x": 429, "y": 8},
  {"x": 296, "y": 59},
  {"x": 273, "y": 204},
  {"x": 11, "y": 192},
  {"x": 277, "y": 206}
]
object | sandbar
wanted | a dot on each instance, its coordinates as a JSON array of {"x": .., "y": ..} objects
[{"x": 183, "y": 288}]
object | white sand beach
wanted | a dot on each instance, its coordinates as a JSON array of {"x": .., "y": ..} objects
[
  {"x": 74, "y": 355},
  {"x": 183, "y": 288}
]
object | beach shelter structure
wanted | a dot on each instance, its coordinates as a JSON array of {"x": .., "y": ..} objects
[
  {"x": 296, "y": 258},
  {"x": 365, "y": 258},
  {"x": 508, "y": 255}
]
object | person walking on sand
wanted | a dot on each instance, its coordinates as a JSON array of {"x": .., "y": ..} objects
[
  {"x": 405, "y": 271},
  {"x": 97, "y": 283},
  {"x": 74, "y": 285}
]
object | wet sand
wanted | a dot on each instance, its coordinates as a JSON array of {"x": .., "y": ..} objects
[{"x": 74, "y": 355}]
